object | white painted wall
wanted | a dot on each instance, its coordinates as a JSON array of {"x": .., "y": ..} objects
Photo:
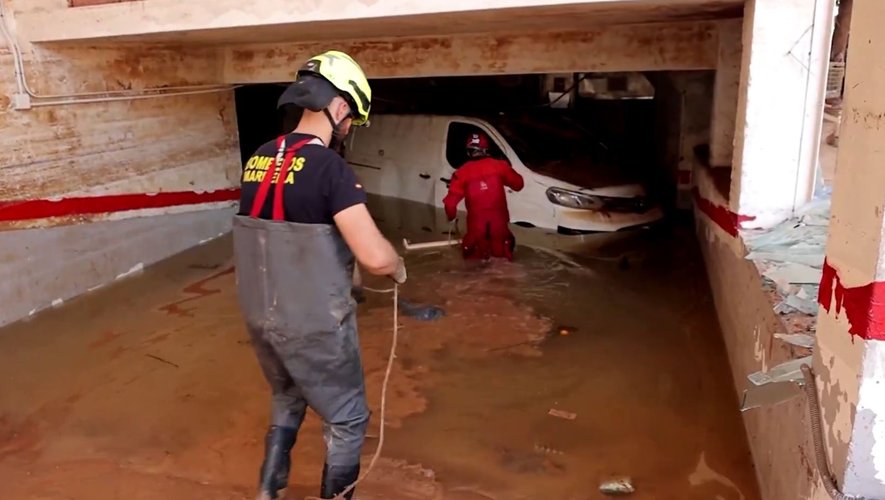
[{"x": 865, "y": 474}]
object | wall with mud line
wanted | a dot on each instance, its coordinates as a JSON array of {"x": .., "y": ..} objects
[
  {"x": 73, "y": 167},
  {"x": 779, "y": 440}
]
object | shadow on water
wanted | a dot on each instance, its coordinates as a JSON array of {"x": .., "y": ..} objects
[{"x": 635, "y": 364}]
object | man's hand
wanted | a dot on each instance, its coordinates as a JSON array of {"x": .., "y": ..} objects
[{"x": 399, "y": 276}]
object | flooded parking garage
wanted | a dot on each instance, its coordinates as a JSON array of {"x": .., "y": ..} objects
[
  {"x": 108, "y": 105},
  {"x": 546, "y": 377}
]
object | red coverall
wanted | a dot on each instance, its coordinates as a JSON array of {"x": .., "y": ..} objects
[{"x": 482, "y": 182}]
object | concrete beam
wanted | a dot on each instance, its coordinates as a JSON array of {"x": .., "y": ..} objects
[
  {"x": 651, "y": 47},
  {"x": 851, "y": 326},
  {"x": 220, "y": 21}
]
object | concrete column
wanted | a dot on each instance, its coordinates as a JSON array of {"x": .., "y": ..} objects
[
  {"x": 783, "y": 78},
  {"x": 695, "y": 96},
  {"x": 850, "y": 359},
  {"x": 725, "y": 93}
]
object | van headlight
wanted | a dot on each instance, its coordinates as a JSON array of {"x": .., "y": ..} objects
[
  {"x": 574, "y": 199},
  {"x": 583, "y": 201}
]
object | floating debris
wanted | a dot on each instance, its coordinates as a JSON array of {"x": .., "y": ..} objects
[
  {"x": 566, "y": 330},
  {"x": 562, "y": 414},
  {"x": 540, "y": 448},
  {"x": 617, "y": 487},
  {"x": 421, "y": 312}
]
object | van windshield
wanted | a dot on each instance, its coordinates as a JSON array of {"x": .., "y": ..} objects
[{"x": 556, "y": 146}]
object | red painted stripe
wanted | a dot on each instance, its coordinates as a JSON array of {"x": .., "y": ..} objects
[
  {"x": 864, "y": 305},
  {"x": 729, "y": 221},
  {"x": 42, "y": 209}
]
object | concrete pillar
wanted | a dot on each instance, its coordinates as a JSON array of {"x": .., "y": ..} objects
[
  {"x": 695, "y": 90},
  {"x": 850, "y": 359},
  {"x": 783, "y": 78},
  {"x": 725, "y": 93}
]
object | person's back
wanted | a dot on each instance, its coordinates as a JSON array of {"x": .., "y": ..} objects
[
  {"x": 481, "y": 181},
  {"x": 484, "y": 180},
  {"x": 318, "y": 185}
]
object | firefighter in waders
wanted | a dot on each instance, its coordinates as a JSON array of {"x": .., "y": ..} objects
[
  {"x": 481, "y": 180},
  {"x": 302, "y": 223}
]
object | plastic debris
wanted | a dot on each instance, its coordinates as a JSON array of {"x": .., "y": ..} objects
[
  {"x": 540, "y": 448},
  {"x": 790, "y": 371},
  {"x": 620, "y": 486},
  {"x": 421, "y": 312},
  {"x": 769, "y": 395},
  {"x": 566, "y": 330},
  {"x": 794, "y": 302},
  {"x": 796, "y": 339},
  {"x": 562, "y": 414}
]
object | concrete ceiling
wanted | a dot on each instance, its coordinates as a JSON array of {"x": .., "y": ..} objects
[{"x": 567, "y": 17}]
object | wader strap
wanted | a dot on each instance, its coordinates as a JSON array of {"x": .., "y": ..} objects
[{"x": 286, "y": 156}]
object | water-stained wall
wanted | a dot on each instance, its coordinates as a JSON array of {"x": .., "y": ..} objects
[{"x": 72, "y": 162}]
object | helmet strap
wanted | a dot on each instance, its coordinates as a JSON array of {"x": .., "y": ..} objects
[{"x": 337, "y": 135}]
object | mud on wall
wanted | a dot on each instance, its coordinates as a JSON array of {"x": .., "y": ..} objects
[
  {"x": 647, "y": 47},
  {"x": 779, "y": 440},
  {"x": 85, "y": 156}
]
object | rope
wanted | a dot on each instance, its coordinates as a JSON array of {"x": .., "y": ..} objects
[{"x": 395, "y": 292}]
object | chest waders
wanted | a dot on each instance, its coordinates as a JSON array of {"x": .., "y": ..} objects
[{"x": 294, "y": 286}]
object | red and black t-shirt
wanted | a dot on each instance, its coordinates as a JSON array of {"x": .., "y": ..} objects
[{"x": 318, "y": 182}]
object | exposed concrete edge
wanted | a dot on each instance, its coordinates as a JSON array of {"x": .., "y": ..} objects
[
  {"x": 47, "y": 267},
  {"x": 778, "y": 438},
  {"x": 782, "y": 449}
]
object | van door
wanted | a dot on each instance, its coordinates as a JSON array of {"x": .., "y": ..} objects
[
  {"x": 413, "y": 145},
  {"x": 455, "y": 156}
]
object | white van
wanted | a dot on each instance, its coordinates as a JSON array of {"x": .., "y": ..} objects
[{"x": 413, "y": 157}]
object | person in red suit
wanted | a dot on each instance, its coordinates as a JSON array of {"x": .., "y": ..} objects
[{"x": 481, "y": 180}]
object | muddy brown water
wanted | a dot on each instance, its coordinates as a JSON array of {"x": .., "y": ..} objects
[{"x": 148, "y": 388}]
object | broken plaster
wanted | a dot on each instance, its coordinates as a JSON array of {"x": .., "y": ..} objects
[
  {"x": 760, "y": 353},
  {"x": 865, "y": 474}
]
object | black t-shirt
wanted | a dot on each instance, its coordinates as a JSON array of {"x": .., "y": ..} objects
[{"x": 318, "y": 184}]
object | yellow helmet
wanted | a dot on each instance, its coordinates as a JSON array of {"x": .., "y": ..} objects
[{"x": 346, "y": 76}]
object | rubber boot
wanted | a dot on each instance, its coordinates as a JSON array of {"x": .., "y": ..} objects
[
  {"x": 275, "y": 469},
  {"x": 337, "y": 478}
]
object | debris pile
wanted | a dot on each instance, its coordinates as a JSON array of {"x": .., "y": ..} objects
[{"x": 790, "y": 257}]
